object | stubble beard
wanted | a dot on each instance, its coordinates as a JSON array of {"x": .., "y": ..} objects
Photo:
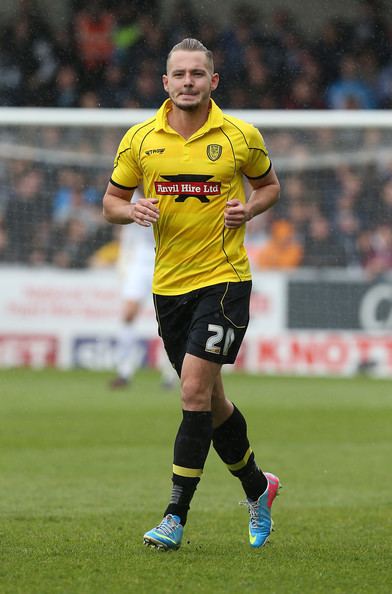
[
  {"x": 191, "y": 106},
  {"x": 186, "y": 106}
]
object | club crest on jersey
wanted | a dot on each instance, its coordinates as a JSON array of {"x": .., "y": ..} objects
[{"x": 214, "y": 151}]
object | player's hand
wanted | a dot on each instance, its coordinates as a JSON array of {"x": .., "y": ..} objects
[
  {"x": 235, "y": 214},
  {"x": 145, "y": 212}
]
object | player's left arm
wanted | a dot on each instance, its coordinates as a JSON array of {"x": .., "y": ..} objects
[{"x": 264, "y": 194}]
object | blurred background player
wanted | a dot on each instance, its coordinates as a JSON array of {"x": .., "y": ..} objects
[{"x": 136, "y": 265}]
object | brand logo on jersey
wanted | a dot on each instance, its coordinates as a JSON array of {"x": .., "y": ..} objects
[
  {"x": 187, "y": 186},
  {"x": 155, "y": 151},
  {"x": 214, "y": 151}
]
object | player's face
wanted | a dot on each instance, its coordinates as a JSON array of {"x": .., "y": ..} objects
[{"x": 189, "y": 80}]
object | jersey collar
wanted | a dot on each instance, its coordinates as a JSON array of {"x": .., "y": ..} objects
[{"x": 214, "y": 120}]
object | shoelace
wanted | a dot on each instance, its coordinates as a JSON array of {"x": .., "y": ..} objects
[
  {"x": 167, "y": 526},
  {"x": 253, "y": 509}
]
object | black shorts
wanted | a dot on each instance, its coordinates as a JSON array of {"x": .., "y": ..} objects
[{"x": 209, "y": 323}]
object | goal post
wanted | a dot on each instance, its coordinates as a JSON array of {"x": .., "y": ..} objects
[{"x": 87, "y": 117}]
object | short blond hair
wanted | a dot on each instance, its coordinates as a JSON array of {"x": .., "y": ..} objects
[{"x": 192, "y": 45}]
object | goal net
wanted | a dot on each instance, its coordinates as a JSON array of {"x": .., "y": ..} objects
[{"x": 322, "y": 257}]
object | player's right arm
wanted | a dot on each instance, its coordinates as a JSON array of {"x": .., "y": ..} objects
[{"x": 118, "y": 208}]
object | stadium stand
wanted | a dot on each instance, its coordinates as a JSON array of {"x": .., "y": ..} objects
[
  {"x": 347, "y": 65},
  {"x": 51, "y": 215}
]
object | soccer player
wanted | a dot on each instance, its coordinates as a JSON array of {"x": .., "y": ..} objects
[
  {"x": 136, "y": 267},
  {"x": 191, "y": 158}
]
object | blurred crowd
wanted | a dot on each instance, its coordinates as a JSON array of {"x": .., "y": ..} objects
[
  {"x": 330, "y": 215},
  {"x": 111, "y": 54}
]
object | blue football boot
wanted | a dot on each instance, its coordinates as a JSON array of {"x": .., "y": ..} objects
[
  {"x": 260, "y": 524},
  {"x": 166, "y": 536}
]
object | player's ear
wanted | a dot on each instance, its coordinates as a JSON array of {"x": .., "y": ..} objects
[
  {"x": 214, "y": 81},
  {"x": 164, "y": 82}
]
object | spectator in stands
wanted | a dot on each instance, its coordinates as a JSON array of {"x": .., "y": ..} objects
[
  {"x": 12, "y": 77},
  {"x": 295, "y": 49},
  {"x": 75, "y": 245},
  {"x": 20, "y": 58},
  {"x": 351, "y": 195},
  {"x": 210, "y": 33},
  {"x": 29, "y": 42},
  {"x": 322, "y": 247},
  {"x": 65, "y": 46},
  {"x": 147, "y": 91},
  {"x": 369, "y": 68},
  {"x": 127, "y": 31},
  {"x": 300, "y": 203},
  {"x": 384, "y": 208},
  {"x": 304, "y": 94},
  {"x": 376, "y": 251},
  {"x": 153, "y": 43},
  {"x": 384, "y": 86},
  {"x": 332, "y": 44},
  {"x": 43, "y": 244},
  {"x": 75, "y": 199},
  {"x": 114, "y": 91},
  {"x": 348, "y": 227},
  {"x": 258, "y": 77},
  {"x": 183, "y": 21},
  {"x": 89, "y": 99},
  {"x": 25, "y": 209},
  {"x": 365, "y": 248},
  {"x": 239, "y": 96},
  {"x": 370, "y": 29},
  {"x": 234, "y": 41},
  {"x": 5, "y": 256},
  {"x": 67, "y": 88},
  {"x": 282, "y": 250},
  {"x": 350, "y": 91},
  {"x": 93, "y": 28}
]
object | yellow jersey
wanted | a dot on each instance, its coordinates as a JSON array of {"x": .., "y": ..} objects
[{"x": 193, "y": 179}]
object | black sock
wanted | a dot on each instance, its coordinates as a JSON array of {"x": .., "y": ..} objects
[
  {"x": 231, "y": 443},
  {"x": 190, "y": 452}
]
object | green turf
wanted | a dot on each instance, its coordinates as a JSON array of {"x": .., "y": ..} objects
[{"x": 85, "y": 471}]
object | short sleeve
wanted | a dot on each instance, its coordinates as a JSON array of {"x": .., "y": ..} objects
[
  {"x": 258, "y": 163},
  {"x": 126, "y": 172}
]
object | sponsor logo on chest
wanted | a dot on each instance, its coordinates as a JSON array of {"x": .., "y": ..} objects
[{"x": 187, "y": 186}]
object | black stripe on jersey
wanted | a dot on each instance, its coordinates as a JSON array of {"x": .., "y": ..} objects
[
  {"x": 237, "y": 128},
  {"x": 158, "y": 238},
  {"x": 122, "y": 187},
  {"x": 224, "y": 251},
  {"x": 144, "y": 138},
  {"x": 134, "y": 134},
  {"x": 232, "y": 150},
  {"x": 244, "y": 137},
  {"x": 262, "y": 175}
]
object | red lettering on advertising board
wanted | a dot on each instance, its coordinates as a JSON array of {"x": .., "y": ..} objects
[
  {"x": 364, "y": 346},
  {"x": 333, "y": 353},
  {"x": 303, "y": 352},
  {"x": 28, "y": 350},
  {"x": 260, "y": 303},
  {"x": 388, "y": 348},
  {"x": 268, "y": 352}
]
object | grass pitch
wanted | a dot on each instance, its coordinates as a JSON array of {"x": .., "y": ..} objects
[{"x": 84, "y": 472}]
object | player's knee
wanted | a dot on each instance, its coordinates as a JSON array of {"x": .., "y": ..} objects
[{"x": 194, "y": 394}]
